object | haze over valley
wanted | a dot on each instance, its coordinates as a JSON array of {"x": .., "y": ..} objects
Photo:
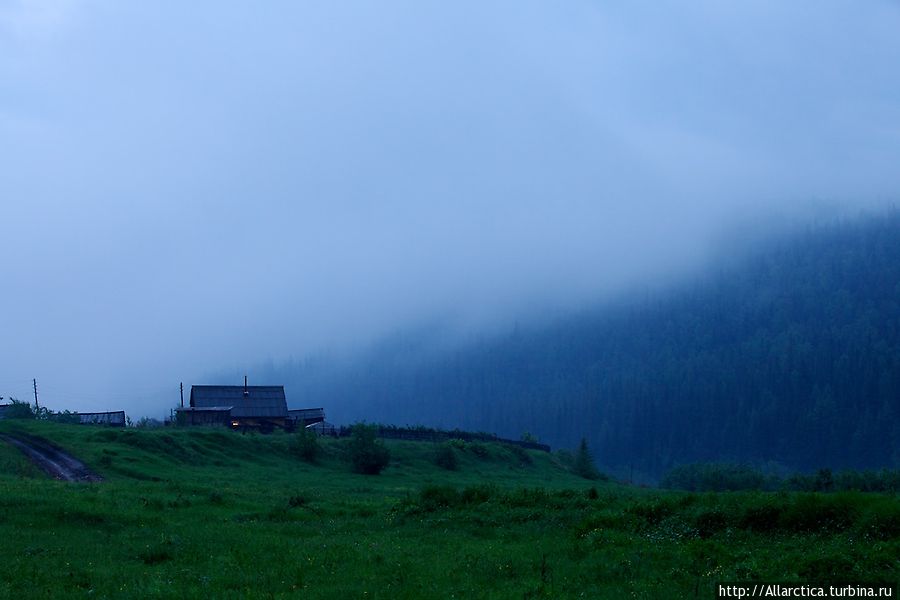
[{"x": 513, "y": 216}]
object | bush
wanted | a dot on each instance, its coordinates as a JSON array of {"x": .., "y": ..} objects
[
  {"x": 529, "y": 437},
  {"x": 652, "y": 512},
  {"x": 886, "y": 480},
  {"x": 763, "y": 517},
  {"x": 19, "y": 410},
  {"x": 521, "y": 455},
  {"x": 882, "y": 520},
  {"x": 478, "y": 494},
  {"x": 710, "y": 522},
  {"x": 817, "y": 513},
  {"x": 367, "y": 455},
  {"x": 565, "y": 458},
  {"x": 305, "y": 445},
  {"x": 479, "y": 450},
  {"x": 67, "y": 417},
  {"x": 445, "y": 458},
  {"x": 433, "y": 497},
  {"x": 23, "y": 410}
]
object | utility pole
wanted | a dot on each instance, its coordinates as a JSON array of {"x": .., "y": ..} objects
[
  {"x": 36, "y": 405},
  {"x": 181, "y": 385}
]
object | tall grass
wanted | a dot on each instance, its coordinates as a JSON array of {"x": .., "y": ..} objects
[{"x": 212, "y": 513}]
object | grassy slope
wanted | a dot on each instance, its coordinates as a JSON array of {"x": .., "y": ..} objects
[{"x": 204, "y": 513}]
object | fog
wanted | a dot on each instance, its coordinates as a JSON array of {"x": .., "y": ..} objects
[{"x": 191, "y": 187}]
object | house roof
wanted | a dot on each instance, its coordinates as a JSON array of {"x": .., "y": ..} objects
[
  {"x": 113, "y": 416},
  {"x": 307, "y": 413},
  {"x": 259, "y": 400}
]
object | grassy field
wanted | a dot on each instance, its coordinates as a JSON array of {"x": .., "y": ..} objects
[{"x": 214, "y": 514}]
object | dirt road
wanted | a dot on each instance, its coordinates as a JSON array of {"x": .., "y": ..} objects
[{"x": 51, "y": 458}]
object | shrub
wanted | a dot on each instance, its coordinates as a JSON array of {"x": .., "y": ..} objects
[
  {"x": 66, "y": 416},
  {"x": 817, "y": 512},
  {"x": 885, "y": 480},
  {"x": 528, "y": 498},
  {"x": 521, "y": 455},
  {"x": 305, "y": 445},
  {"x": 458, "y": 444},
  {"x": 433, "y": 497},
  {"x": 19, "y": 410},
  {"x": 565, "y": 458},
  {"x": 882, "y": 520},
  {"x": 652, "y": 512},
  {"x": 445, "y": 457},
  {"x": 824, "y": 481},
  {"x": 479, "y": 450},
  {"x": 367, "y": 455},
  {"x": 478, "y": 494},
  {"x": 763, "y": 517},
  {"x": 710, "y": 522}
]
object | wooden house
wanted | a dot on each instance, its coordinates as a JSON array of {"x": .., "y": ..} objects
[
  {"x": 204, "y": 415},
  {"x": 261, "y": 407}
]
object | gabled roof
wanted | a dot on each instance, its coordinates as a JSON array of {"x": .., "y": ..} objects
[{"x": 259, "y": 401}]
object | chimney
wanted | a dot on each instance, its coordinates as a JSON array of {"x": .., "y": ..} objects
[{"x": 246, "y": 391}]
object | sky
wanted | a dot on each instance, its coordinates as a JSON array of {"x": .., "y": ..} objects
[{"x": 187, "y": 187}]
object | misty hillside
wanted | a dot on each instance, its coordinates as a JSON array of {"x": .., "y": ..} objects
[{"x": 791, "y": 355}]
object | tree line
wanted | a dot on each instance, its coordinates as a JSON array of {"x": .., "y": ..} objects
[{"x": 790, "y": 355}]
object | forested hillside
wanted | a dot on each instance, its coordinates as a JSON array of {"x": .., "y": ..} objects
[{"x": 790, "y": 355}]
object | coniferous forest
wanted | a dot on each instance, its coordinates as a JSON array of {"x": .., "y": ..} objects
[{"x": 789, "y": 356}]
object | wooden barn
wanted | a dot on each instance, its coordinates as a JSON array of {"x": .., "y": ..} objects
[
  {"x": 303, "y": 417},
  {"x": 115, "y": 418},
  {"x": 323, "y": 427}
]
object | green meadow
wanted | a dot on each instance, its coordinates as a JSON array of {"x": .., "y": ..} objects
[{"x": 206, "y": 513}]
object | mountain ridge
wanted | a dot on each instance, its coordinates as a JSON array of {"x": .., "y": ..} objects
[{"x": 790, "y": 355}]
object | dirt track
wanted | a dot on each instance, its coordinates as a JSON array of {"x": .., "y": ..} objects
[{"x": 51, "y": 458}]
